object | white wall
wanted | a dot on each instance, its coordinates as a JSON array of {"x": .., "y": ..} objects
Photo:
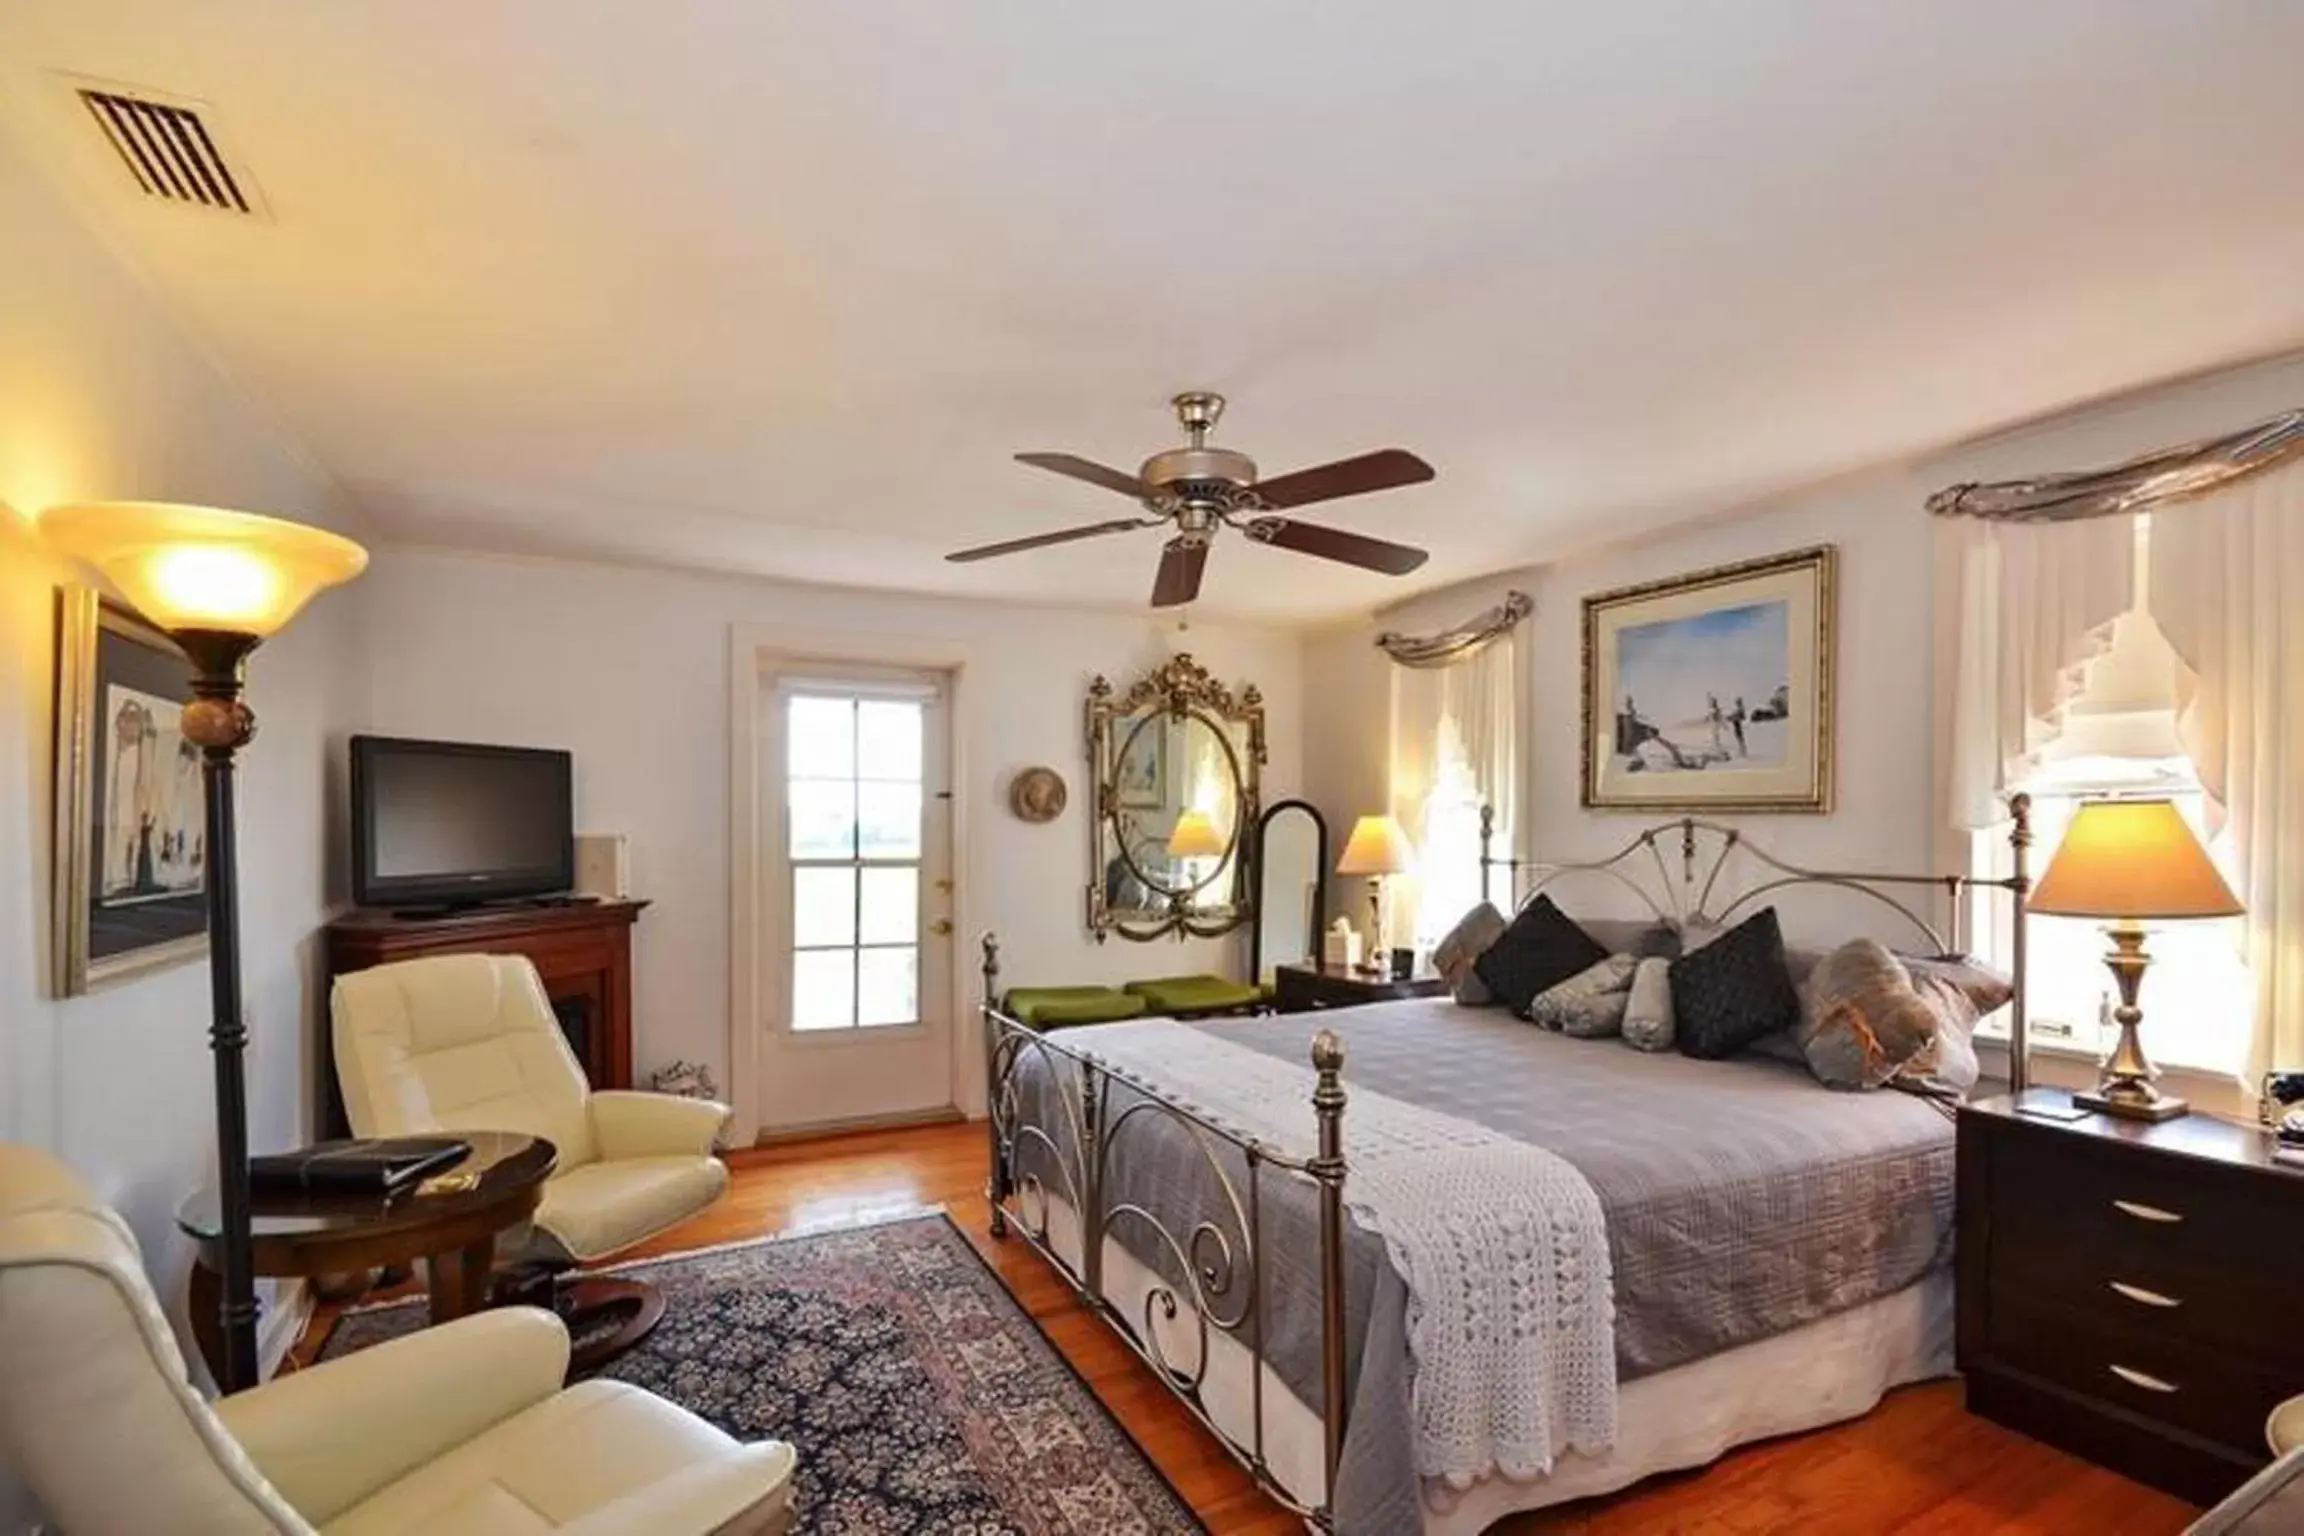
[
  {"x": 100, "y": 397},
  {"x": 629, "y": 669}
]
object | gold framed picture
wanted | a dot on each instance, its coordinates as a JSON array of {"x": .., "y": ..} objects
[
  {"x": 1713, "y": 691},
  {"x": 131, "y": 836}
]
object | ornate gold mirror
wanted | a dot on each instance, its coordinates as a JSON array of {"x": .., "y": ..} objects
[{"x": 1175, "y": 765}]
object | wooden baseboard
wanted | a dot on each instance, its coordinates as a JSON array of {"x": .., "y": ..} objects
[{"x": 857, "y": 1124}]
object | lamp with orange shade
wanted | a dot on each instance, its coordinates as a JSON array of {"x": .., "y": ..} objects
[
  {"x": 220, "y": 584},
  {"x": 1376, "y": 848},
  {"x": 2131, "y": 861}
]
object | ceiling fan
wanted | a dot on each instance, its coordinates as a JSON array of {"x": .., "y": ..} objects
[{"x": 1201, "y": 488}]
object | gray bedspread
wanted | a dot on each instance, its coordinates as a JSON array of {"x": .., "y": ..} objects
[{"x": 1742, "y": 1199}]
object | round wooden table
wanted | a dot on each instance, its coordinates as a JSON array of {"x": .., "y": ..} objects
[{"x": 449, "y": 1220}]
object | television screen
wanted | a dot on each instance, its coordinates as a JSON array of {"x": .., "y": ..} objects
[{"x": 442, "y": 822}]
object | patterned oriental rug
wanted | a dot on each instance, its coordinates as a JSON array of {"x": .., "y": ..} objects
[{"x": 920, "y": 1396}]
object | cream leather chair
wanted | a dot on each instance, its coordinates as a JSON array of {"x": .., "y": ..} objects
[
  {"x": 455, "y": 1431},
  {"x": 470, "y": 1043}
]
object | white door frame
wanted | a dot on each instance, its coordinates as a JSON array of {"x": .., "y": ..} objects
[{"x": 755, "y": 651}]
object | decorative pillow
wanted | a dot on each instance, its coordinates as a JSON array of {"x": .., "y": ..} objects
[
  {"x": 1733, "y": 990},
  {"x": 1959, "y": 993},
  {"x": 1648, "y": 1006},
  {"x": 1588, "y": 1004},
  {"x": 1542, "y": 948},
  {"x": 1863, "y": 1020},
  {"x": 1452, "y": 957}
]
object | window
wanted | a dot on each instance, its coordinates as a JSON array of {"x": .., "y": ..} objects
[
  {"x": 1448, "y": 846},
  {"x": 2119, "y": 738},
  {"x": 853, "y": 803}
]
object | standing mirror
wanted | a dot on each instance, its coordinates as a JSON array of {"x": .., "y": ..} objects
[
  {"x": 1176, "y": 763},
  {"x": 1289, "y": 863}
]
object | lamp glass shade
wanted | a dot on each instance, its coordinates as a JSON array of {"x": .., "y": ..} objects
[
  {"x": 2132, "y": 860},
  {"x": 201, "y": 568},
  {"x": 1195, "y": 837},
  {"x": 1377, "y": 847}
]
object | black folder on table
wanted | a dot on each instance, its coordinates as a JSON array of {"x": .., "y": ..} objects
[{"x": 377, "y": 1167}]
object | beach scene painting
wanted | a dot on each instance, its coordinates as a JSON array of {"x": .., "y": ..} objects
[
  {"x": 1712, "y": 691},
  {"x": 1708, "y": 691}
]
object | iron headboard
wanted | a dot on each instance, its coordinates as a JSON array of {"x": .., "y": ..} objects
[{"x": 1702, "y": 850}]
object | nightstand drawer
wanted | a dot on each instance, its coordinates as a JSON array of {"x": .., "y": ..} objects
[
  {"x": 2123, "y": 1206},
  {"x": 2213, "y": 1393}
]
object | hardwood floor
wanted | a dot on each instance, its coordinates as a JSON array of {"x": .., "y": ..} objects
[{"x": 1916, "y": 1464}]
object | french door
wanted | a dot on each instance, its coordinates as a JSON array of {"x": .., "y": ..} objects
[{"x": 857, "y": 908}]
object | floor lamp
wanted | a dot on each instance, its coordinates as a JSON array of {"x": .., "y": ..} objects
[{"x": 220, "y": 584}]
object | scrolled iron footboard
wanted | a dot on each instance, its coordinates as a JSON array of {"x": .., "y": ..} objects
[{"x": 1220, "y": 1256}]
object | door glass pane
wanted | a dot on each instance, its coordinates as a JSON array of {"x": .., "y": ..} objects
[
  {"x": 889, "y": 815},
  {"x": 823, "y": 905},
  {"x": 823, "y": 817},
  {"x": 820, "y": 738},
  {"x": 823, "y": 988},
  {"x": 888, "y": 986},
  {"x": 891, "y": 906},
  {"x": 888, "y": 739}
]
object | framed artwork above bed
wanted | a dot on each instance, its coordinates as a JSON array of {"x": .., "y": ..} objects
[{"x": 1713, "y": 691}]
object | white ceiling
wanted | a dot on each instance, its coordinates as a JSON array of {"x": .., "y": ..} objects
[{"x": 778, "y": 287}]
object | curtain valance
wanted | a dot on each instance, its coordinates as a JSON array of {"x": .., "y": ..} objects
[
  {"x": 2139, "y": 485},
  {"x": 1461, "y": 643}
]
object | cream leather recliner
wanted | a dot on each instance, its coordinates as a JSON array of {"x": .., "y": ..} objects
[
  {"x": 455, "y": 1431},
  {"x": 469, "y": 1043}
]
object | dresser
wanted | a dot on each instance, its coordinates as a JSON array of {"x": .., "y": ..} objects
[
  {"x": 2128, "y": 1292},
  {"x": 1302, "y": 988}
]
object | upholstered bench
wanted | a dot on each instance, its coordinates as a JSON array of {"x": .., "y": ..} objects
[
  {"x": 1189, "y": 997},
  {"x": 1046, "y": 1008}
]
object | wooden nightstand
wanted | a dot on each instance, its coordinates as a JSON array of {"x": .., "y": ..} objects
[
  {"x": 2128, "y": 1291},
  {"x": 1302, "y": 988}
]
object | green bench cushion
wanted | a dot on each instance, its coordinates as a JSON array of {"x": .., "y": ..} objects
[
  {"x": 1195, "y": 994},
  {"x": 1055, "y": 1007}
]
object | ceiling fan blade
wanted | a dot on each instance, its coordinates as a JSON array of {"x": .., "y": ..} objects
[
  {"x": 1379, "y": 471},
  {"x": 1335, "y": 544},
  {"x": 1180, "y": 568},
  {"x": 1089, "y": 470},
  {"x": 1062, "y": 536}
]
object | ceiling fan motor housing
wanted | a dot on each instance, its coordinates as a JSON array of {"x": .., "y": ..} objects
[{"x": 1208, "y": 477}]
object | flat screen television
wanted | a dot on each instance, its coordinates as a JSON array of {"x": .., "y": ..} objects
[{"x": 453, "y": 824}]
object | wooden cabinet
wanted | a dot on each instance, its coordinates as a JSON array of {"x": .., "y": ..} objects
[
  {"x": 583, "y": 951},
  {"x": 1302, "y": 988},
  {"x": 2126, "y": 1290}
]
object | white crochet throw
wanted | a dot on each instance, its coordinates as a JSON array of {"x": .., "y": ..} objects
[{"x": 1502, "y": 1246}]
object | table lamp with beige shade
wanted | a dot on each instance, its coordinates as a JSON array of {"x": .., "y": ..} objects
[
  {"x": 1376, "y": 848},
  {"x": 220, "y": 584},
  {"x": 2131, "y": 862}
]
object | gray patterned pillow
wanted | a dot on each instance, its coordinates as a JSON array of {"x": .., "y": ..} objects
[
  {"x": 1648, "y": 1006},
  {"x": 1453, "y": 956},
  {"x": 1957, "y": 993},
  {"x": 1590, "y": 1003},
  {"x": 1862, "y": 1021}
]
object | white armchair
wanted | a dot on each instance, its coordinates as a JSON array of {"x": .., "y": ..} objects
[
  {"x": 454, "y": 1431},
  {"x": 469, "y": 1042}
]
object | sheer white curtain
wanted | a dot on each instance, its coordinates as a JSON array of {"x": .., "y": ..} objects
[
  {"x": 2037, "y": 602},
  {"x": 2227, "y": 589},
  {"x": 1455, "y": 747}
]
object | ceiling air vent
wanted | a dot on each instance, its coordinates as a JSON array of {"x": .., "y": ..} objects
[{"x": 169, "y": 150}]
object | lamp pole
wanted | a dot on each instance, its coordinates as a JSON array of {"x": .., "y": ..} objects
[{"x": 220, "y": 724}]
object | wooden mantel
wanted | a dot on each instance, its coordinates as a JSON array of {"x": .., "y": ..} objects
[{"x": 583, "y": 950}]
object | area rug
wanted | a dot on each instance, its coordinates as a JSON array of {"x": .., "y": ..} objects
[{"x": 920, "y": 1396}]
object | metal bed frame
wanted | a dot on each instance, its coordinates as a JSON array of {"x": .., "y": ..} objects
[{"x": 1220, "y": 1256}]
